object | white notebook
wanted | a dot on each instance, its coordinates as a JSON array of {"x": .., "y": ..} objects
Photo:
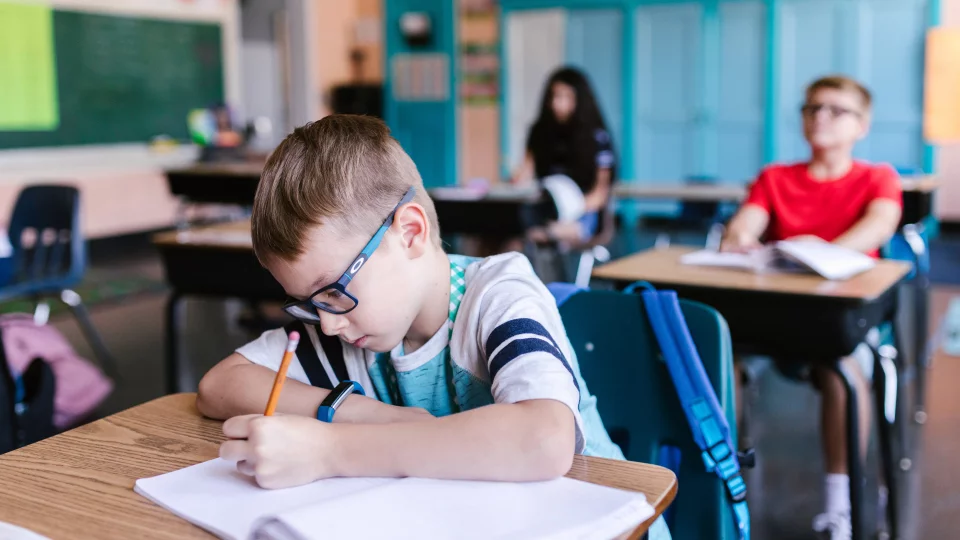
[
  {"x": 214, "y": 496},
  {"x": 828, "y": 260}
]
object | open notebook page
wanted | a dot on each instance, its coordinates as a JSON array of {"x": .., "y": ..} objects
[
  {"x": 214, "y": 496},
  {"x": 417, "y": 508}
]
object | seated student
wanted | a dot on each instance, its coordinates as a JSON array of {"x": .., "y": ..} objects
[
  {"x": 830, "y": 198},
  {"x": 570, "y": 138},
  {"x": 476, "y": 343}
]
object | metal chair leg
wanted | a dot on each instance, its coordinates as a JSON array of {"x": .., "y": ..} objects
[
  {"x": 72, "y": 300},
  {"x": 854, "y": 460},
  {"x": 588, "y": 258},
  {"x": 173, "y": 343},
  {"x": 885, "y": 382},
  {"x": 913, "y": 234}
]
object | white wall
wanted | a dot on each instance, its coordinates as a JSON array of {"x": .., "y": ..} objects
[{"x": 123, "y": 188}]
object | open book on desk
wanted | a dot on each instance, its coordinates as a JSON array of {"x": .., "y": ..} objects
[
  {"x": 214, "y": 496},
  {"x": 828, "y": 260}
]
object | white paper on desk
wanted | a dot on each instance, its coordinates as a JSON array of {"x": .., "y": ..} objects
[
  {"x": 215, "y": 497},
  {"x": 828, "y": 260},
  {"x": 754, "y": 260}
]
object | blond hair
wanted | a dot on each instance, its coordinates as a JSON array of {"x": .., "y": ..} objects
[
  {"x": 844, "y": 83},
  {"x": 344, "y": 171}
]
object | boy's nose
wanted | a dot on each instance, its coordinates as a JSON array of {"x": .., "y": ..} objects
[{"x": 331, "y": 324}]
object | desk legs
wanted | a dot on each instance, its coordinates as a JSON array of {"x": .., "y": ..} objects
[
  {"x": 854, "y": 460},
  {"x": 173, "y": 342},
  {"x": 886, "y": 391},
  {"x": 921, "y": 288},
  {"x": 923, "y": 355}
]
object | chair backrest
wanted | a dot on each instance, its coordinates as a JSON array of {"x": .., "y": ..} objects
[
  {"x": 699, "y": 212},
  {"x": 620, "y": 360},
  {"x": 45, "y": 233}
]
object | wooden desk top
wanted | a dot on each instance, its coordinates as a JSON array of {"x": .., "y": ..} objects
[
  {"x": 662, "y": 266},
  {"x": 80, "y": 484},
  {"x": 728, "y": 191},
  {"x": 684, "y": 192},
  {"x": 243, "y": 168},
  {"x": 233, "y": 235}
]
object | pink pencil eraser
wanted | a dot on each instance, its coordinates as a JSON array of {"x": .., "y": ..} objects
[{"x": 294, "y": 336}]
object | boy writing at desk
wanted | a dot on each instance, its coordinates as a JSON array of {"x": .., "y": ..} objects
[
  {"x": 831, "y": 198},
  {"x": 467, "y": 359}
]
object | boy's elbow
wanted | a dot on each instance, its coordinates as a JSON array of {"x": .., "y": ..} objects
[
  {"x": 556, "y": 461},
  {"x": 553, "y": 443},
  {"x": 207, "y": 397}
]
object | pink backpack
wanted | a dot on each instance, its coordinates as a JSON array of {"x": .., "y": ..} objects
[{"x": 80, "y": 386}]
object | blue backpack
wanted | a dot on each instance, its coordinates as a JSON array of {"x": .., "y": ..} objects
[{"x": 708, "y": 424}]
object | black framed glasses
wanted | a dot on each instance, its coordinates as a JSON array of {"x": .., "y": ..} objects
[
  {"x": 811, "y": 110},
  {"x": 334, "y": 298}
]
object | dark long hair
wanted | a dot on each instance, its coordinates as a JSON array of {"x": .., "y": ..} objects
[{"x": 571, "y": 145}]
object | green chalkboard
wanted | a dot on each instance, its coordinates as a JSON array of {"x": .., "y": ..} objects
[{"x": 127, "y": 79}]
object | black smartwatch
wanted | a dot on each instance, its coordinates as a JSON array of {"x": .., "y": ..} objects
[{"x": 337, "y": 396}]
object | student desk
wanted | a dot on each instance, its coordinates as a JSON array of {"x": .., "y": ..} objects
[
  {"x": 502, "y": 214},
  {"x": 691, "y": 192},
  {"x": 792, "y": 317},
  {"x": 224, "y": 183},
  {"x": 918, "y": 192},
  {"x": 212, "y": 261},
  {"x": 80, "y": 484}
]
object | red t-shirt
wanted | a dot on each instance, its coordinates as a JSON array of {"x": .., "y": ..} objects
[{"x": 799, "y": 204}]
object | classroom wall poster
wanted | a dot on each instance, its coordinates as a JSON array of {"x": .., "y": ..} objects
[{"x": 28, "y": 71}]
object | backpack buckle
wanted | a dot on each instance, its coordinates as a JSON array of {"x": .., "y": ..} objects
[{"x": 736, "y": 488}]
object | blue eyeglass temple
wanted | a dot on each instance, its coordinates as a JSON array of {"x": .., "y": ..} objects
[{"x": 374, "y": 242}]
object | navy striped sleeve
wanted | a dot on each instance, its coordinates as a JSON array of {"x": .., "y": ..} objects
[{"x": 537, "y": 339}]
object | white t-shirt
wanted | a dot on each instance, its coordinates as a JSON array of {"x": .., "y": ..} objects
[{"x": 508, "y": 345}]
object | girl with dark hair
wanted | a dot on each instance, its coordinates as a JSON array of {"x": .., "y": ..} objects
[{"x": 570, "y": 138}]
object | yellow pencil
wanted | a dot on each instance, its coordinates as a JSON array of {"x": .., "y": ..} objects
[{"x": 292, "y": 342}]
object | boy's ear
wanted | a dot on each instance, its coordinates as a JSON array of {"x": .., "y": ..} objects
[
  {"x": 414, "y": 228},
  {"x": 864, "y": 125}
]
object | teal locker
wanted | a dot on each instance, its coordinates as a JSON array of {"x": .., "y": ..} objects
[{"x": 420, "y": 95}]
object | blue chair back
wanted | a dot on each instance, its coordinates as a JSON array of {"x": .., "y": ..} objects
[
  {"x": 49, "y": 253},
  {"x": 620, "y": 361}
]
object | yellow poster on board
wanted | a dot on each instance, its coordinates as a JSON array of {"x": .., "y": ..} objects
[
  {"x": 28, "y": 70},
  {"x": 941, "y": 94}
]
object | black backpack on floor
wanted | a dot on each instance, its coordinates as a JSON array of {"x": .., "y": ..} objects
[{"x": 26, "y": 404}]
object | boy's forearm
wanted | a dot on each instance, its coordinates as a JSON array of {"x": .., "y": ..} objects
[
  {"x": 873, "y": 230},
  {"x": 221, "y": 397},
  {"x": 526, "y": 441}
]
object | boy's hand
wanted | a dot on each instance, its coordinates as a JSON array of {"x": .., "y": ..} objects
[
  {"x": 806, "y": 238},
  {"x": 739, "y": 243},
  {"x": 280, "y": 451}
]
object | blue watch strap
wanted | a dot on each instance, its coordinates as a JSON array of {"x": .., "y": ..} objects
[{"x": 337, "y": 396}]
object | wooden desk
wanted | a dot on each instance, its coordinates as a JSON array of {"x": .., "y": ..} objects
[
  {"x": 80, "y": 484},
  {"x": 796, "y": 318},
  {"x": 209, "y": 261},
  {"x": 681, "y": 192},
  {"x": 663, "y": 266},
  {"x": 496, "y": 215},
  {"x": 227, "y": 183},
  {"x": 918, "y": 192}
]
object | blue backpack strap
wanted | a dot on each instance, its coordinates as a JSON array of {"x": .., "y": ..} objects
[
  {"x": 707, "y": 421},
  {"x": 563, "y": 291}
]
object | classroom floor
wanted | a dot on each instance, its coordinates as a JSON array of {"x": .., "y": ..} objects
[{"x": 784, "y": 487}]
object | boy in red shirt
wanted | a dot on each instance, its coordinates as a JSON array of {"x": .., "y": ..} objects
[{"x": 830, "y": 198}]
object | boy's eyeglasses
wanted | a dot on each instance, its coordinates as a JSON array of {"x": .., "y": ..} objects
[
  {"x": 810, "y": 110},
  {"x": 334, "y": 298}
]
